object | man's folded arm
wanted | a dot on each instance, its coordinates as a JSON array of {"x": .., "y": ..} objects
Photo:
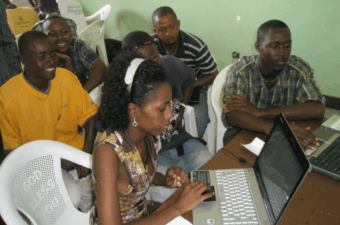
[
  {"x": 304, "y": 111},
  {"x": 248, "y": 121}
]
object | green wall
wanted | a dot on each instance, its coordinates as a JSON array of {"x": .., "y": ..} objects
[{"x": 314, "y": 25}]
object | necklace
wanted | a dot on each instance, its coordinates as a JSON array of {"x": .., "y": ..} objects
[
  {"x": 270, "y": 81},
  {"x": 146, "y": 163}
]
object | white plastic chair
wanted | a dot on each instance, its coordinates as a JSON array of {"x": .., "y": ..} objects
[
  {"x": 96, "y": 94},
  {"x": 210, "y": 132},
  {"x": 190, "y": 121},
  {"x": 217, "y": 104},
  {"x": 102, "y": 14},
  {"x": 93, "y": 36},
  {"x": 31, "y": 181},
  {"x": 17, "y": 42}
]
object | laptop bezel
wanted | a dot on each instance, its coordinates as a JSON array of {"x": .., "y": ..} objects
[{"x": 280, "y": 120}]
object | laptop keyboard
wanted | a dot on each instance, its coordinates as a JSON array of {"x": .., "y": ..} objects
[
  {"x": 236, "y": 204},
  {"x": 276, "y": 195},
  {"x": 329, "y": 159}
]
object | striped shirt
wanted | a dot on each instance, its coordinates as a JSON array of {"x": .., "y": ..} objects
[
  {"x": 192, "y": 51},
  {"x": 9, "y": 55},
  {"x": 295, "y": 85},
  {"x": 82, "y": 58},
  {"x": 70, "y": 23}
]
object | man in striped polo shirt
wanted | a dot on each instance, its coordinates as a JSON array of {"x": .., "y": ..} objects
[{"x": 170, "y": 40}]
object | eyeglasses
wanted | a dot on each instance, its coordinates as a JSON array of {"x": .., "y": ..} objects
[{"x": 134, "y": 45}]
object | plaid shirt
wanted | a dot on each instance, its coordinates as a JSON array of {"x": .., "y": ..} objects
[
  {"x": 9, "y": 55},
  {"x": 82, "y": 58},
  {"x": 296, "y": 84},
  {"x": 70, "y": 23}
]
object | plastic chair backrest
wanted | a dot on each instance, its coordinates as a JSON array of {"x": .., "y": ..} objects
[
  {"x": 210, "y": 133},
  {"x": 217, "y": 104},
  {"x": 93, "y": 36},
  {"x": 102, "y": 14},
  {"x": 96, "y": 94},
  {"x": 190, "y": 120},
  {"x": 31, "y": 181}
]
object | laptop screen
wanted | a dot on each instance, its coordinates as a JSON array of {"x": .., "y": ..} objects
[{"x": 280, "y": 168}]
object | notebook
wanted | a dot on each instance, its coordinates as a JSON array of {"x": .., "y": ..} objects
[
  {"x": 326, "y": 158},
  {"x": 257, "y": 195}
]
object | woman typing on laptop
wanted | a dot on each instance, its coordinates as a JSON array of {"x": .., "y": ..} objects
[{"x": 135, "y": 106}]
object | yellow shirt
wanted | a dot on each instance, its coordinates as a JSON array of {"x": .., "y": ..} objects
[
  {"x": 28, "y": 114},
  {"x": 21, "y": 19}
]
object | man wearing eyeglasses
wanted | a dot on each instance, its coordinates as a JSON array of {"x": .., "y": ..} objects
[{"x": 170, "y": 40}]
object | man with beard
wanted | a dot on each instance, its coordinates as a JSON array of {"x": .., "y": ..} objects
[{"x": 259, "y": 87}]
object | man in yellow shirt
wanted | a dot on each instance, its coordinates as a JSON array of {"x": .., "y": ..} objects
[
  {"x": 20, "y": 19},
  {"x": 45, "y": 102}
]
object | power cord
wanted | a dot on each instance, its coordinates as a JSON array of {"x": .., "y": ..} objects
[{"x": 242, "y": 160}]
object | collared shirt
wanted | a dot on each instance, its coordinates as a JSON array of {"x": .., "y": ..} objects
[
  {"x": 9, "y": 55},
  {"x": 70, "y": 23},
  {"x": 82, "y": 58},
  {"x": 295, "y": 85},
  {"x": 193, "y": 51}
]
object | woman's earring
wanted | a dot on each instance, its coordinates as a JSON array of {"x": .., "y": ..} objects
[{"x": 134, "y": 122}]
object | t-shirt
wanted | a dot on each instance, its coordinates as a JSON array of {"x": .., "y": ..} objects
[
  {"x": 82, "y": 57},
  {"x": 73, "y": 10},
  {"x": 179, "y": 75},
  {"x": 21, "y": 19},
  {"x": 28, "y": 114}
]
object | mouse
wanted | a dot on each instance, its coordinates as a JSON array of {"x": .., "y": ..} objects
[{"x": 213, "y": 198}]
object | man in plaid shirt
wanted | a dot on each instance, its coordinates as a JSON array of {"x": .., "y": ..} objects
[{"x": 262, "y": 86}]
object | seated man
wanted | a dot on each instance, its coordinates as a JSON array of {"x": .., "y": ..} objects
[
  {"x": 179, "y": 149},
  {"x": 45, "y": 102},
  {"x": 74, "y": 54},
  {"x": 170, "y": 40},
  {"x": 9, "y": 55},
  {"x": 50, "y": 8},
  {"x": 20, "y": 19},
  {"x": 260, "y": 87}
]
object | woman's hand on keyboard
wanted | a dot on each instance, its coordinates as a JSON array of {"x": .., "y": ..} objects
[
  {"x": 176, "y": 177},
  {"x": 191, "y": 196}
]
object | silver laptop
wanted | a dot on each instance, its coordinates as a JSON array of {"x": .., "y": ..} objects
[
  {"x": 326, "y": 158},
  {"x": 258, "y": 195}
]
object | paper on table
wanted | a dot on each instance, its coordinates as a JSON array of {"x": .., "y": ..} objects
[
  {"x": 255, "y": 146},
  {"x": 179, "y": 221}
]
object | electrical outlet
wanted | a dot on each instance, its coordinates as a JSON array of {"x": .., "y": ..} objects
[{"x": 235, "y": 55}]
